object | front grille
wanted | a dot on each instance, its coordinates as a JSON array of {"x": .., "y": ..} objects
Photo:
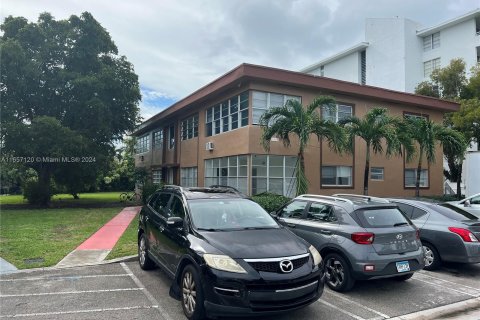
[{"x": 274, "y": 266}]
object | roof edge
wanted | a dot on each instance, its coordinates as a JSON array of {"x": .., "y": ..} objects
[{"x": 449, "y": 23}]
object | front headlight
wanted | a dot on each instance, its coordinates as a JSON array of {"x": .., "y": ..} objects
[
  {"x": 222, "y": 262},
  {"x": 317, "y": 258}
]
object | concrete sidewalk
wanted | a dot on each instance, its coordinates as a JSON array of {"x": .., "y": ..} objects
[
  {"x": 96, "y": 248},
  {"x": 6, "y": 267}
]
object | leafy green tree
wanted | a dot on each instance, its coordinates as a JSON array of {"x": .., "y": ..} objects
[
  {"x": 427, "y": 134},
  {"x": 377, "y": 130},
  {"x": 68, "y": 70},
  {"x": 467, "y": 119},
  {"x": 123, "y": 175},
  {"x": 293, "y": 119}
]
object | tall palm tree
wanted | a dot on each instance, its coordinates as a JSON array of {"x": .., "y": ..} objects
[
  {"x": 295, "y": 119},
  {"x": 427, "y": 134},
  {"x": 377, "y": 129}
]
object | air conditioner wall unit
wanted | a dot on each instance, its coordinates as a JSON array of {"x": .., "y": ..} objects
[{"x": 209, "y": 146}]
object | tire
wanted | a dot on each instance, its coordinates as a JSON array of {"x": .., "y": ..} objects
[
  {"x": 338, "y": 273},
  {"x": 143, "y": 259},
  {"x": 191, "y": 294},
  {"x": 432, "y": 258},
  {"x": 404, "y": 277}
]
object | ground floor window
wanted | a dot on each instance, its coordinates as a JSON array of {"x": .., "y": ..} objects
[
  {"x": 227, "y": 171},
  {"x": 188, "y": 177},
  {"x": 376, "y": 173},
  {"x": 156, "y": 176},
  {"x": 411, "y": 177},
  {"x": 275, "y": 174},
  {"x": 336, "y": 176}
]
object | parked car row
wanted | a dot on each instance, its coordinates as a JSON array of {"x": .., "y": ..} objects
[{"x": 227, "y": 256}]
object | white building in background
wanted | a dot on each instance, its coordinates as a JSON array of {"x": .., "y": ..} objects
[{"x": 399, "y": 53}]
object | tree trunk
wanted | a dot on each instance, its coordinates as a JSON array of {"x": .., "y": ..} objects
[
  {"x": 367, "y": 171},
  {"x": 419, "y": 171},
  {"x": 302, "y": 182}
]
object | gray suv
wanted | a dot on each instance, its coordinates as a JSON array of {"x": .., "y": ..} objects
[{"x": 359, "y": 237}]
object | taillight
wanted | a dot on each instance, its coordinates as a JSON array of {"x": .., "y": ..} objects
[
  {"x": 363, "y": 237},
  {"x": 466, "y": 235}
]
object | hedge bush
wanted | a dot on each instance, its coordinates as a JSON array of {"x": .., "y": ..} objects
[{"x": 270, "y": 201}]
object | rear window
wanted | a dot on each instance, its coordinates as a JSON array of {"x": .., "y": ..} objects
[
  {"x": 452, "y": 212},
  {"x": 381, "y": 218}
]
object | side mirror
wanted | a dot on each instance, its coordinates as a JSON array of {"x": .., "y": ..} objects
[
  {"x": 175, "y": 222},
  {"x": 466, "y": 203},
  {"x": 274, "y": 215}
]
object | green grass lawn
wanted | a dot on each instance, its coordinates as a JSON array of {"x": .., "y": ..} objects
[
  {"x": 58, "y": 199},
  {"x": 42, "y": 237},
  {"x": 127, "y": 244}
]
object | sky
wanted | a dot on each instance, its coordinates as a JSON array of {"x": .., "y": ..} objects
[{"x": 178, "y": 46}]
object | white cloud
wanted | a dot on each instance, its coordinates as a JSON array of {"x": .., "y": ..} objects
[{"x": 177, "y": 46}]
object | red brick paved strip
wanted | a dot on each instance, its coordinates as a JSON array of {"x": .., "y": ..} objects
[{"x": 107, "y": 236}]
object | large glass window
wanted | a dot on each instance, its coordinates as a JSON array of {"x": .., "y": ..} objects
[
  {"x": 262, "y": 101},
  {"x": 227, "y": 115},
  {"x": 429, "y": 66},
  {"x": 376, "y": 173},
  {"x": 143, "y": 144},
  {"x": 190, "y": 128},
  {"x": 227, "y": 171},
  {"x": 336, "y": 176},
  {"x": 336, "y": 113},
  {"x": 158, "y": 139},
  {"x": 411, "y": 177},
  {"x": 188, "y": 177},
  {"x": 156, "y": 176},
  {"x": 171, "y": 136},
  {"x": 275, "y": 174},
  {"x": 431, "y": 41}
]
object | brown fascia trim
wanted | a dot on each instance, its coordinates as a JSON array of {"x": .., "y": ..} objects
[{"x": 298, "y": 79}]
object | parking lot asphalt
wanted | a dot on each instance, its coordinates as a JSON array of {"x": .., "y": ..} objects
[{"x": 124, "y": 291}]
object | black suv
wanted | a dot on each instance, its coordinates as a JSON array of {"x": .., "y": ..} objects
[{"x": 227, "y": 256}]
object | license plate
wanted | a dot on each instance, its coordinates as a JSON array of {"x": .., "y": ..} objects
[{"x": 403, "y": 266}]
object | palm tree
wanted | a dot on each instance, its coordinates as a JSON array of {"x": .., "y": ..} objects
[
  {"x": 295, "y": 119},
  {"x": 427, "y": 134},
  {"x": 376, "y": 129}
]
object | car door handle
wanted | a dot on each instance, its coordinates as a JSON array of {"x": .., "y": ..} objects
[
  {"x": 291, "y": 225},
  {"x": 325, "y": 232}
]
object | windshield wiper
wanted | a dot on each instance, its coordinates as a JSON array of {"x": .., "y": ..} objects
[
  {"x": 209, "y": 229},
  {"x": 255, "y": 228},
  {"x": 400, "y": 224}
]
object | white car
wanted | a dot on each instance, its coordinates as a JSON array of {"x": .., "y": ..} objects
[{"x": 470, "y": 204}]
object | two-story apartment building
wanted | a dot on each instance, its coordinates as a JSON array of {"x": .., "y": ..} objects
[
  {"x": 212, "y": 137},
  {"x": 399, "y": 53}
]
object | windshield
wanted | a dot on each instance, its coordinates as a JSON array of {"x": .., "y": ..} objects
[
  {"x": 452, "y": 212},
  {"x": 229, "y": 214}
]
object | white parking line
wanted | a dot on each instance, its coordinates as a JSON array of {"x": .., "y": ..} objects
[
  {"x": 65, "y": 277},
  {"x": 383, "y": 315},
  {"x": 423, "y": 273},
  {"x": 74, "y": 312},
  {"x": 149, "y": 296},
  {"x": 441, "y": 286},
  {"x": 341, "y": 310},
  {"x": 67, "y": 292}
]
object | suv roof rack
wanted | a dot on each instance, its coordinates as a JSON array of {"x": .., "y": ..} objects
[
  {"x": 361, "y": 197},
  {"x": 326, "y": 198},
  {"x": 173, "y": 187},
  {"x": 218, "y": 186}
]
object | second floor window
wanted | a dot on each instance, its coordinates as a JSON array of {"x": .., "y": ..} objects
[
  {"x": 171, "y": 137},
  {"x": 158, "y": 139},
  {"x": 262, "y": 101},
  {"x": 429, "y": 66},
  {"x": 431, "y": 41},
  {"x": 190, "y": 128},
  {"x": 337, "y": 113},
  {"x": 143, "y": 144},
  {"x": 227, "y": 115}
]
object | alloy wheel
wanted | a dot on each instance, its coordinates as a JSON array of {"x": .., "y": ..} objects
[
  {"x": 189, "y": 292},
  {"x": 335, "y": 272},
  {"x": 142, "y": 251},
  {"x": 429, "y": 256}
]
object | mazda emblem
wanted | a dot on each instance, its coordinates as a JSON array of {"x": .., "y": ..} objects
[
  {"x": 399, "y": 236},
  {"x": 286, "y": 266}
]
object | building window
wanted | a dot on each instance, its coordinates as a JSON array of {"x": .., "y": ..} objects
[
  {"x": 143, "y": 144},
  {"x": 411, "y": 178},
  {"x": 158, "y": 139},
  {"x": 376, "y": 173},
  {"x": 227, "y": 171},
  {"x": 188, "y": 177},
  {"x": 336, "y": 113},
  {"x": 262, "y": 101},
  {"x": 190, "y": 128},
  {"x": 275, "y": 174},
  {"x": 171, "y": 136},
  {"x": 336, "y": 176},
  {"x": 228, "y": 115},
  {"x": 363, "y": 67},
  {"x": 429, "y": 66},
  {"x": 415, "y": 116},
  {"x": 157, "y": 176},
  {"x": 322, "y": 71},
  {"x": 431, "y": 41}
]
